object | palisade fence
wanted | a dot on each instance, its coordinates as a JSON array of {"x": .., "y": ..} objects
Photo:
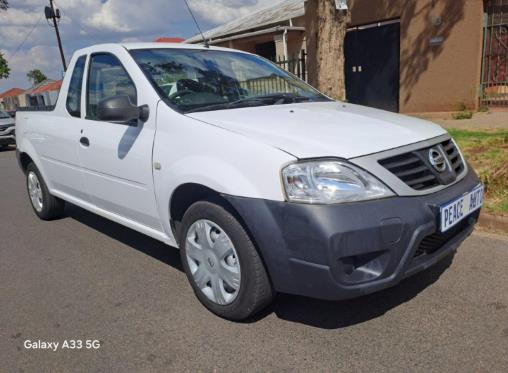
[
  {"x": 296, "y": 65},
  {"x": 494, "y": 85},
  {"x": 261, "y": 86}
]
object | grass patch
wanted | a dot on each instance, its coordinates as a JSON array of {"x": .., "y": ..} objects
[
  {"x": 487, "y": 152},
  {"x": 462, "y": 115}
]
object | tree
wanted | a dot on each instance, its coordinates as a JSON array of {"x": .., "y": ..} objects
[
  {"x": 4, "y": 4},
  {"x": 4, "y": 67},
  {"x": 326, "y": 31},
  {"x": 36, "y": 76}
]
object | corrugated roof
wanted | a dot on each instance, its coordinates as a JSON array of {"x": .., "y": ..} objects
[
  {"x": 272, "y": 15},
  {"x": 12, "y": 92}
]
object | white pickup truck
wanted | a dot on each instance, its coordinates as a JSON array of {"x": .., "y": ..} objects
[{"x": 265, "y": 184}]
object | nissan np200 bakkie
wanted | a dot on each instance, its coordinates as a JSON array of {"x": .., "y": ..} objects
[{"x": 263, "y": 183}]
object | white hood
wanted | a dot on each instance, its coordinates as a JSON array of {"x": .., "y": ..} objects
[{"x": 323, "y": 129}]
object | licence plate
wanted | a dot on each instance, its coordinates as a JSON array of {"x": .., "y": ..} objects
[{"x": 454, "y": 212}]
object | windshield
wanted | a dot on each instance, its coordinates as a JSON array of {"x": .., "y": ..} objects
[
  {"x": 4, "y": 115},
  {"x": 202, "y": 80}
]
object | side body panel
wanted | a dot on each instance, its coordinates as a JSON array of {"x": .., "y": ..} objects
[{"x": 51, "y": 139}]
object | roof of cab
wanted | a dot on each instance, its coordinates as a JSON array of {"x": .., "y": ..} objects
[
  {"x": 159, "y": 45},
  {"x": 152, "y": 45}
]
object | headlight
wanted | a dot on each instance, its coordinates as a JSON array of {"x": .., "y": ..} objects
[{"x": 330, "y": 181}]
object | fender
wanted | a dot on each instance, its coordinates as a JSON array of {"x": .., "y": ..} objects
[
  {"x": 202, "y": 154},
  {"x": 212, "y": 173},
  {"x": 26, "y": 147}
]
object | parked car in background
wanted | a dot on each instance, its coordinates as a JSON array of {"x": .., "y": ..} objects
[
  {"x": 12, "y": 113},
  {"x": 7, "y": 130},
  {"x": 265, "y": 184}
]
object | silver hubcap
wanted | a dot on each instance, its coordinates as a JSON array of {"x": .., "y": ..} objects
[
  {"x": 35, "y": 191},
  {"x": 213, "y": 261}
]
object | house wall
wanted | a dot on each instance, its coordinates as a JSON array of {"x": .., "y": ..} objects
[
  {"x": 22, "y": 100},
  {"x": 295, "y": 42},
  {"x": 52, "y": 97},
  {"x": 10, "y": 103},
  {"x": 442, "y": 77}
]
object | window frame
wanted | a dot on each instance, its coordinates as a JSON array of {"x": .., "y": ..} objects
[
  {"x": 85, "y": 56},
  {"x": 90, "y": 60}
]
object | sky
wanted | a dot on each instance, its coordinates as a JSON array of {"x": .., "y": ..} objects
[{"x": 87, "y": 22}]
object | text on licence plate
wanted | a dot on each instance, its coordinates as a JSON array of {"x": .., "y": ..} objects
[{"x": 454, "y": 212}]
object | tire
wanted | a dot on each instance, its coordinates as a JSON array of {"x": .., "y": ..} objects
[
  {"x": 45, "y": 206},
  {"x": 238, "y": 301}
]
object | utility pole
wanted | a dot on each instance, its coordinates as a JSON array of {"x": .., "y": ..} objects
[{"x": 53, "y": 14}]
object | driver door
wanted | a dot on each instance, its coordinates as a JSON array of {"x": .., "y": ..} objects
[{"x": 116, "y": 158}]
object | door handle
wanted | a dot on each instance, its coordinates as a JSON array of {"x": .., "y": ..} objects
[{"x": 84, "y": 141}]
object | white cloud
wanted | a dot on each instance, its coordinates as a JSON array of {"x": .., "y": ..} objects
[
  {"x": 109, "y": 17},
  {"x": 37, "y": 57},
  {"x": 18, "y": 17},
  {"x": 221, "y": 11}
]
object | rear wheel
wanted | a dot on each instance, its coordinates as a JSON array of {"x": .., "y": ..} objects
[
  {"x": 45, "y": 205},
  {"x": 222, "y": 263}
]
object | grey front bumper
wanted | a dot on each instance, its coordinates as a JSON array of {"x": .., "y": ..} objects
[
  {"x": 348, "y": 250},
  {"x": 8, "y": 136}
]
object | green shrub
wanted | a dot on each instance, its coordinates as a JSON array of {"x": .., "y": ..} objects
[{"x": 462, "y": 115}]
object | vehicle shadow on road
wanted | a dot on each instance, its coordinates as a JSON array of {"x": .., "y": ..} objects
[
  {"x": 147, "y": 245},
  {"x": 340, "y": 314},
  {"x": 317, "y": 313}
]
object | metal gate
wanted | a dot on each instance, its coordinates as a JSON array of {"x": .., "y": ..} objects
[
  {"x": 372, "y": 65},
  {"x": 494, "y": 80}
]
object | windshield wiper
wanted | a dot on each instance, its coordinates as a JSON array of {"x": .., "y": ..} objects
[
  {"x": 276, "y": 99},
  {"x": 229, "y": 105}
]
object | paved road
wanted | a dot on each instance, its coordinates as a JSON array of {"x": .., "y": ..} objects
[{"x": 83, "y": 277}]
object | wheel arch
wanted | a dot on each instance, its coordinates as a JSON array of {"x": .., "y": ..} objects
[
  {"x": 185, "y": 195},
  {"x": 24, "y": 160}
]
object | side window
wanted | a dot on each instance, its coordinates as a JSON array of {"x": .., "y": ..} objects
[
  {"x": 107, "y": 78},
  {"x": 74, "y": 92}
]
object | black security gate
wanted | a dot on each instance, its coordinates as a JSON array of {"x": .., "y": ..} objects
[
  {"x": 372, "y": 65},
  {"x": 494, "y": 87},
  {"x": 296, "y": 65}
]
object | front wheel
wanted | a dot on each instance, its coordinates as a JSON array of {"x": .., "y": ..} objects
[
  {"x": 46, "y": 206},
  {"x": 222, "y": 263}
]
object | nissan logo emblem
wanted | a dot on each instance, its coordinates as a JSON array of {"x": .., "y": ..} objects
[{"x": 437, "y": 159}]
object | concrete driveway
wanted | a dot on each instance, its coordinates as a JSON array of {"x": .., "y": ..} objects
[{"x": 84, "y": 278}]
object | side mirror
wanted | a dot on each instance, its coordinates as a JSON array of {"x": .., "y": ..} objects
[{"x": 119, "y": 109}]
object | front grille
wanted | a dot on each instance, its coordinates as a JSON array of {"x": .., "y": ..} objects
[
  {"x": 415, "y": 170},
  {"x": 411, "y": 170},
  {"x": 436, "y": 241},
  {"x": 453, "y": 155},
  {"x": 6, "y": 126}
]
